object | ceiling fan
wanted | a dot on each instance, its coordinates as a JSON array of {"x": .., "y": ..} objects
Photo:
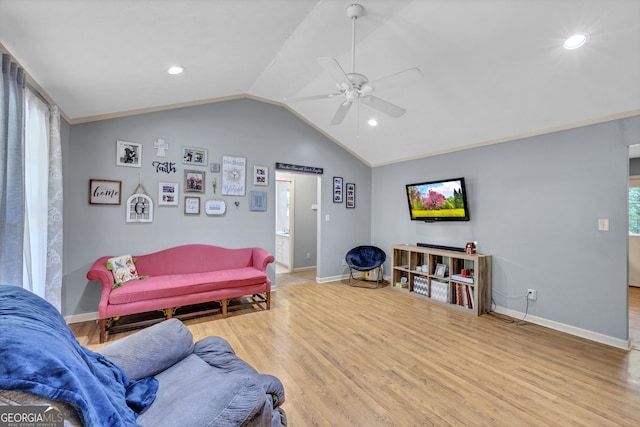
[{"x": 355, "y": 88}]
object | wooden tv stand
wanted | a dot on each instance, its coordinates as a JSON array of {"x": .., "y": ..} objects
[{"x": 469, "y": 293}]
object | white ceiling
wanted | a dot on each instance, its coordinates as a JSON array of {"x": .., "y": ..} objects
[{"x": 493, "y": 70}]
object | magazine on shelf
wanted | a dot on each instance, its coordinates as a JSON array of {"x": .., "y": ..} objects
[{"x": 461, "y": 278}]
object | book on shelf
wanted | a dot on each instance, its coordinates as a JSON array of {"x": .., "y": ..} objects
[
  {"x": 469, "y": 298},
  {"x": 461, "y": 278}
]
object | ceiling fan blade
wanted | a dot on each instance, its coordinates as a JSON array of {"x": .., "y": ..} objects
[
  {"x": 383, "y": 106},
  {"x": 401, "y": 77},
  {"x": 335, "y": 70},
  {"x": 312, "y": 97},
  {"x": 343, "y": 109}
]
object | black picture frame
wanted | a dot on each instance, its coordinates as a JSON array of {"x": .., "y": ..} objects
[
  {"x": 350, "y": 190},
  {"x": 337, "y": 189}
]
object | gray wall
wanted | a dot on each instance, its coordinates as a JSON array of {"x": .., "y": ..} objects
[
  {"x": 534, "y": 206},
  {"x": 263, "y": 133},
  {"x": 305, "y": 219}
]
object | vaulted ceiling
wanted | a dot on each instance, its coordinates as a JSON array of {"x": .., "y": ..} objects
[{"x": 492, "y": 70}]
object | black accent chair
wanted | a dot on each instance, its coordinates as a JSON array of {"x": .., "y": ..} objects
[{"x": 365, "y": 258}]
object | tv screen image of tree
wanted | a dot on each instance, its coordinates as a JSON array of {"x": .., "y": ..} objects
[{"x": 438, "y": 200}]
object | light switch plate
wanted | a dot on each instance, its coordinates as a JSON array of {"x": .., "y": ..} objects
[{"x": 603, "y": 224}]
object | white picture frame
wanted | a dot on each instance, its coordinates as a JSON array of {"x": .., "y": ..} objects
[
  {"x": 168, "y": 193},
  {"x": 260, "y": 175},
  {"x": 194, "y": 156},
  {"x": 128, "y": 154},
  {"x": 139, "y": 208}
]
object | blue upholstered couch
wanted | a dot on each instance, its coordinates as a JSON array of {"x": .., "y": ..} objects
[{"x": 155, "y": 377}]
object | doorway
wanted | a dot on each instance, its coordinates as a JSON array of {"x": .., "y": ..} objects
[
  {"x": 633, "y": 269},
  {"x": 285, "y": 225},
  {"x": 296, "y": 227}
]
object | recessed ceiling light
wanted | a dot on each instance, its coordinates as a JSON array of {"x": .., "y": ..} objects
[
  {"x": 372, "y": 122},
  {"x": 175, "y": 70},
  {"x": 576, "y": 41}
]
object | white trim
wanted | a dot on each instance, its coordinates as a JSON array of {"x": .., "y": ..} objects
[
  {"x": 332, "y": 278},
  {"x": 571, "y": 330},
  {"x": 345, "y": 277},
  {"x": 311, "y": 267},
  {"x": 84, "y": 317}
]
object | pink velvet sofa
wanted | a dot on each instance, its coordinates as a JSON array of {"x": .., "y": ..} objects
[{"x": 182, "y": 276}]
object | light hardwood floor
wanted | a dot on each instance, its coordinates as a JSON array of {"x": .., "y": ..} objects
[
  {"x": 295, "y": 278},
  {"x": 359, "y": 357}
]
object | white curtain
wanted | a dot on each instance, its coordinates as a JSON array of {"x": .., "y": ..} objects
[
  {"x": 54, "y": 207},
  {"x": 42, "y": 271}
]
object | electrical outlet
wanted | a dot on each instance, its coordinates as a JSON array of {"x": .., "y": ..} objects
[
  {"x": 532, "y": 294},
  {"x": 308, "y": 255},
  {"x": 344, "y": 262}
]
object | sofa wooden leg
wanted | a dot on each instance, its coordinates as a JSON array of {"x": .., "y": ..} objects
[
  {"x": 103, "y": 330},
  {"x": 268, "y": 300},
  {"x": 169, "y": 312},
  {"x": 225, "y": 303}
]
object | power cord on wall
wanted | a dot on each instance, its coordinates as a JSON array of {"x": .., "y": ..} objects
[{"x": 526, "y": 311}]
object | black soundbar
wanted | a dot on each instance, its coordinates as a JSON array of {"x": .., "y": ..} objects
[{"x": 446, "y": 248}]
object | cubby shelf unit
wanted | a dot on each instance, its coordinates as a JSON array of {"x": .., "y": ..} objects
[{"x": 414, "y": 271}]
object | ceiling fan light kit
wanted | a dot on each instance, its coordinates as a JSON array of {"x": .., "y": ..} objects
[{"x": 355, "y": 88}]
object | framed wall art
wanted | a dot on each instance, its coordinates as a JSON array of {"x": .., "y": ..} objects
[
  {"x": 139, "y": 208},
  {"x": 104, "y": 192},
  {"x": 192, "y": 205},
  {"x": 194, "y": 156},
  {"x": 260, "y": 175},
  {"x": 233, "y": 175},
  {"x": 193, "y": 181},
  {"x": 351, "y": 195},
  {"x": 128, "y": 154},
  {"x": 168, "y": 193},
  {"x": 337, "y": 189},
  {"x": 258, "y": 201},
  {"x": 215, "y": 207}
]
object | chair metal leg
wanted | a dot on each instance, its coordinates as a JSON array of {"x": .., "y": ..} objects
[{"x": 365, "y": 286}]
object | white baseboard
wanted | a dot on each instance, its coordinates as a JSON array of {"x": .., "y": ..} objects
[
  {"x": 332, "y": 278},
  {"x": 356, "y": 275},
  {"x": 572, "y": 330},
  {"x": 296, "y": 270},
  {"x": 84, "y": 317}
]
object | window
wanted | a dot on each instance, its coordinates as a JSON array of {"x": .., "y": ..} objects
[{"x": 634, "y": 206}]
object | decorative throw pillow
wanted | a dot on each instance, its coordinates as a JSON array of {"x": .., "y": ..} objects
[{"x": 123, "y": 269}]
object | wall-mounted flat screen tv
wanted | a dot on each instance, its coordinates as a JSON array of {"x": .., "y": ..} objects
[{"x": 444, "y": 200}]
